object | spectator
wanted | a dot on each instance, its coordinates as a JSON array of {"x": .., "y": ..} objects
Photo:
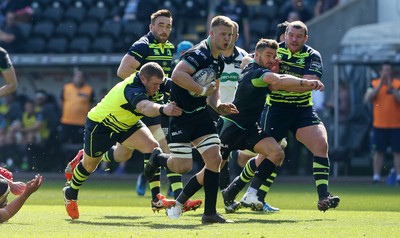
[
  {"x": 10, "y": 112},
  {"x": 182, "y": 47},
  {"x": 322, "y": 6},
  {"x": 299, "y": 7},
  {"x": 384, "y": 93},
  {"x": 21, "y": 9},
  {"x": 237, "y": 11},
  {"x": 10, "y": 35},
  {"x": 77, "y": 98}
]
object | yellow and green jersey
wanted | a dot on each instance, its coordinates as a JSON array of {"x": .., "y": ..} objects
[
  {"x": 306, "y": 61},
  {"x": 148, "y": 49},
  {"x": 117, "y": 110}
]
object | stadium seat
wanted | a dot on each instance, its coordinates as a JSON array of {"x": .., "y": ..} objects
[
  {"x": 76, "y": 14},
  {"x": 26, "y": 29},
  {"x": 102, "y": 45},
  {"x": 88, "y": 28},
  {"x": 64, "y": 3},
  {"x": 111, "y": 29},
  {"x": 259, "y": 27},
  {"x": 99, "y": 14},
  {"x": 43, "y": 29},
  {"x": 133, "y": 29},
  {"x": 85, "y": 3},
  {"x": 53, "y": 14},
  {"x": 65, "y": 29},
  {"x": 57, "y": 45},
  {"x": 36, "y": 45},
  {"x": 79, "y": 45},
  {"x": 42, "y": 3}
]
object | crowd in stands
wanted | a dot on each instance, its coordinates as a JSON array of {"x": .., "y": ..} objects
[
  {"x": 32, "y": 130},
  {"x": 110, "y": 26}
]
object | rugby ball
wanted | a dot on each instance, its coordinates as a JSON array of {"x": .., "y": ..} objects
[{"x": 203, "y": 77}]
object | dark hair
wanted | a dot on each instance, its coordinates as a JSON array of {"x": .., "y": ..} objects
[
  {"x": 280, "y": 29},
  {"x": 160, "y": 13},
  {"x": 151, "y": 69},
  {"x": 266, "y": 43},
  {"x": 298, "y": 25}
]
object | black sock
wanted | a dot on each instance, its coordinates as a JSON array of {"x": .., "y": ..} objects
[
  {"x": 189, "y": 190},
  {"x": 109, "y": 156},
  {"x": 175, "y": 182},
  {"x": 263, "y": 191},
  {"x": 264, "y": 170},
  {"x": 321, "y": 169},
  {"x": 78, "y": 178},
  {"x": 211, "y": 192}
]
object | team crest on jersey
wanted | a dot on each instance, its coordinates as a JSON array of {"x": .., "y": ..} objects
[
  {"x": 198, "y": 52},
  {"x": 300, "y": 61}
]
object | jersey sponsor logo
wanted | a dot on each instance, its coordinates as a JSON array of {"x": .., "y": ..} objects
[
  {"x": 224, "y": 146},
  {"x": 176, "y": 133},
  {"x": 234, "y": 77},
  {"x": 193, "y": 61}
]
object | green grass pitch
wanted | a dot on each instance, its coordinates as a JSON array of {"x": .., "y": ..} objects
[{"x": 110, "y": 208}]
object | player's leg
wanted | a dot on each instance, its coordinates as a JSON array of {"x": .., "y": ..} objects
[
  {"x": 270, "y": 156},
  {"x": 97, "y": 139},
  {"x": 314, "y": 137}
]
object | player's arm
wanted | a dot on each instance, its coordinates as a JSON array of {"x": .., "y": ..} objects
[
  {"x": 12, "y": 208},
  {"x": 152, "y": 109},
  {"x": 16, "y": 188},
  {"x": 291, "y": 83},
  {"x": 11, "y": 82},
  {"x": 182, "y": 77},
  {"x": 215, "y": 102},
  {"x": 127, "y": 66}
]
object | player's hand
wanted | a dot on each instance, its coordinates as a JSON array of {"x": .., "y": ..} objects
[
  {"x": 33, "y": 185},
  {"x": 210, "y": 88},
  {"x": 171, "y": 109},
  {"x": 227, "y": 108},
  {"x": 314, "y": 84},
  {"x": 17, "y": 188},
  {"x": 275, "y": 66}
]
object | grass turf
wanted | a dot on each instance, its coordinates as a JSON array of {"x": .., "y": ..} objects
[{"x": 111, "y": 208}]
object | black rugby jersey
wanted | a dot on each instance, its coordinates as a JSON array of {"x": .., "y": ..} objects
[
  {"x": 148, "y": 49},
  {"x": 199, "y": 57},
  {"x": 306, "y": 61},
  {"x": 250, "y": 95}
]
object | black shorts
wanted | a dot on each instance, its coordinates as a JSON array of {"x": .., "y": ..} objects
[
  {"x": 100, "y": 138},
  {"x": 277, "y": 121},
  {"x": 151, "y": 121},
  {"x": 235, "y": 138},
  {"x": 382, "y": 139},
  {"x": 189, "y": 129}
]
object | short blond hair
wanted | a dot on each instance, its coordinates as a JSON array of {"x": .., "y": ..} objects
[{"x": 221, "y": 20}]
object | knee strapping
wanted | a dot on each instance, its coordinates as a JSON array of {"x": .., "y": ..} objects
[{"x": 208, "y": 142}]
